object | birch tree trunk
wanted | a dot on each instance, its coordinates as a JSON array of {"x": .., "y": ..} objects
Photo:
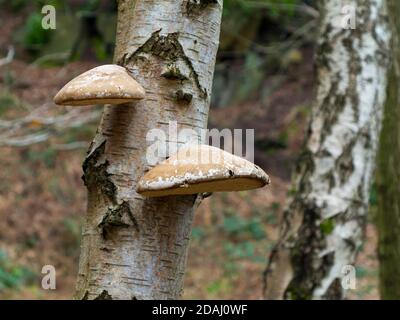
[
  {"x": 323, "y": 224},
  {"x": 133, "y": 247},
  {"x": 388, "y": 177}
]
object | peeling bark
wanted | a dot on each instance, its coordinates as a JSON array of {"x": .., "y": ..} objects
[
  {"x": 323, "y": 224},
  {"x": 134, "y": 247}
]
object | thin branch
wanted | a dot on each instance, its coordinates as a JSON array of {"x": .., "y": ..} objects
[
  {"x": 18, "y": 132},
  {"x": 9, "y": 57},
  {"x": 25, "y": 140}
]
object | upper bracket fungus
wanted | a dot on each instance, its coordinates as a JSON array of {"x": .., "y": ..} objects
[
  {"x": 199, "y": 169},
  {"x": 107, "y": 84}
]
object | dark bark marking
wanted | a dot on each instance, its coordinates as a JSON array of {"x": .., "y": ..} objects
[
  {"x": 195, "y": 7},
  {"x": 344, "y": 163},
  {"x": 114, "y": 217},
  {"x": 95, "y": 174},
  {"x": 205, "y": 195},
  {"x": 169, "y": 49},
  {"x": 183, "y": 97},
  {"x": 304, "y": 169},
  {"x": 174, "y": 73},
  {"x": 355, "y": 67},
  {"x": 106, "y": 249},
  {"x": 310, "y": 239},
  {"x": 334, "y": 291},
  {"x": 332, "y": 106},
  {"x": 104, "y": 295},
  {"x": 166, "y": 47}
]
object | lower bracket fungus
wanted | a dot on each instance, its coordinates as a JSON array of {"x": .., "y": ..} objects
[{"x": 200, "y": 169}]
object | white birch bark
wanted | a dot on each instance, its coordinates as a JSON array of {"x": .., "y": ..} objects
[
  {"x": 133, "y": 247},
  {"x": 323, "y": 224}
]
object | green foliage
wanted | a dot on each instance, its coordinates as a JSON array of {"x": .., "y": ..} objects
[
  {"x": 261, "y": 37},
  {"x": 8, "y": 78},
  {"x": 362, "y": 272},
  {"x": 71, "y": 235},
  {"x": 219, "y": 286},
  {"x": 275, "y": 7},
  {"x": 79, "y": 133},
  {"x": 13, "y": 276},
  {"x": 59, "y": 193},
  {"x": 6, "y": 102},
  {"x": 327, "y": 226},
  {"x": 197, "y": 233},
  {"x": 271, "y": 217},
  {"x": 100, "y": 50},
  {"x": 243, "y": 250},
  {"x": 253, "y": 69},
  {"x": 237, "y": 226},
  {"x": 34, "y": 37},
  {"x": 373, "y": 195},
  {"x": 14, "y": 5},
  {"x": 47, "y": 156},
  {"x": 30, "y": 241},
  {"x": 9, "y": 102},
  {"x": 36, "y": 4},
  {"x": 283, "y": 139},
  {"x": 88, "y": 6}
]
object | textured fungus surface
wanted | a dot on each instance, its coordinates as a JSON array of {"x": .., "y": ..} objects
[
  {"x": 105, "y": 84},
  {"x": 201, "y": 168}
]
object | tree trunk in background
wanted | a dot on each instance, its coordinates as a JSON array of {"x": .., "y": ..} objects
[
  {"x": 322, "y": 227},
  {"x": 133, "y": 247},
  {"x": 388, "y": 177}
]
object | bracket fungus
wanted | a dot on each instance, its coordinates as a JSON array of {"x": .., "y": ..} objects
[
  {"x": 107, "y": 84},
  {"x": 201, "y": 169}
]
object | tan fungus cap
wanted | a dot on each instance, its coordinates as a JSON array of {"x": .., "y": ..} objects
[
  {"x": 108, "y": 84},
  {"x": 201, "y": 168}
]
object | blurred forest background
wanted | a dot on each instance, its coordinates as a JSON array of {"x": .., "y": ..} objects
[{"x": 264, "y": 80}]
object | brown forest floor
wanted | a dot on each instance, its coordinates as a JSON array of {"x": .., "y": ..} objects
[{"x": 42, "y": 197}]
